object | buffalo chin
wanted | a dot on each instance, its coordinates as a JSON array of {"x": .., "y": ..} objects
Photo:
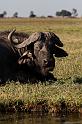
[
  {"x": 45, "y": 75},
  {"x": 45, "y": 71}
]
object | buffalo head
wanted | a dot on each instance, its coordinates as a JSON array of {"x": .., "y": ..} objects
[{"x": 42, "y": 47}]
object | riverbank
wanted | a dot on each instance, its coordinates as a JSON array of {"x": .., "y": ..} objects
[{"x": 58, "y": 97}]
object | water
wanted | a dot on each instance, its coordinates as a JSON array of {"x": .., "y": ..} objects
[{"x": 39, "y": 119}]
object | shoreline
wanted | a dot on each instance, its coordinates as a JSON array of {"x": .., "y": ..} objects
[
  {"x": 41, "y": 98},
  {"x": 41, "y": 108}
]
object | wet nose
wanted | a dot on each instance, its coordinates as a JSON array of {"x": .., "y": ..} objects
[{"x": 45, "y": 61}]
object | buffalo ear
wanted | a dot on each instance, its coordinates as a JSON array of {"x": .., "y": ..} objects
[
  {"x": 22, "y": 59},
  {"x": 25, "y": 58},
  {"x": 55, "y": 39},
  {"x": 60, "y": 52}
]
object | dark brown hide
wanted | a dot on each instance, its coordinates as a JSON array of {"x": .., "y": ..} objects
[
  {"x": 59, "y": 52},
  {"x": 44, "y": 60},
  {"x": 9, "y": 56}
]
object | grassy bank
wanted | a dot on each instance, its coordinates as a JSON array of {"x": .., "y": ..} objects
[
  {"x": 56, "y": 97},
  {"x": 66, "y": 93}
]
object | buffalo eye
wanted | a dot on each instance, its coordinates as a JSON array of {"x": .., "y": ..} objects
[{"x": 38, "y": 46}]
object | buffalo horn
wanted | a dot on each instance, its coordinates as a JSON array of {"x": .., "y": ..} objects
[
  {"x": 14, "y": 41},
  {"x": 32, "y": 38}
]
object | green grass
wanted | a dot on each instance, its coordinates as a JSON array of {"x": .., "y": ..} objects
[
  {"x": 40, "y": 97},
  {"x": 68, "y": 70}
]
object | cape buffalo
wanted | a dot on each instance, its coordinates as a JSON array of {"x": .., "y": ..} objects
[{"x": 32, "y": 56}]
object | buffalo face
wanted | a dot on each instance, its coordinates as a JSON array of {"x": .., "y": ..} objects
[{"x": 44, "y": 59}]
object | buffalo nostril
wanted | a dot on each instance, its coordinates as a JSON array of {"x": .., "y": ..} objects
[{"x": 45, "y": 61}]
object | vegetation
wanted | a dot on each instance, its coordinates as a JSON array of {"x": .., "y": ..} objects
[
  {"x": 32, "y": 15},
  {"x": 66, "y": 13},
  {"x": 65, "y": 94},
  {"x": 2, "y": 15},
  {"x": 15, "y": 15},
  {"x": 63, "y": 13}
]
